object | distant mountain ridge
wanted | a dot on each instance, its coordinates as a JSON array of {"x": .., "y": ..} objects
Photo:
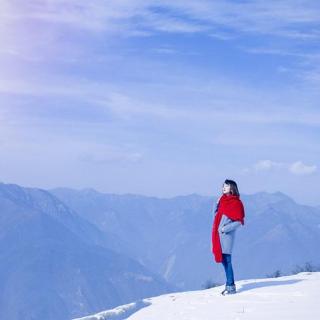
[{"x": 278, "y": 232}]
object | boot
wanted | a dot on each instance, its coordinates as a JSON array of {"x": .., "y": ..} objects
[{"x": 229, "y": 290}]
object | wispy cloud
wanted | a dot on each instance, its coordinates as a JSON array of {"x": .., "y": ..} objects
[
  {"x": 283, "y": 18},
  {"x": 305, "y": 68},
  {"x": 215, "y": 104},
  {"x": 105, "y": 155},
  {"x": 276, "y": 18},
  {"x": 48, "y": 24},
  {"x": 34, "y": 29}
]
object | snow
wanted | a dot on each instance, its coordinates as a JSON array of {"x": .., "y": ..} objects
[
  {"x": 289, "y": 297},
  {"x": 119, "y": 313}
]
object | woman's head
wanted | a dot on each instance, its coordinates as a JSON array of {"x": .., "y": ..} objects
[{"x": 230, "y": 187}]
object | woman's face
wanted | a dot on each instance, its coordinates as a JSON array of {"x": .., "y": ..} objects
[{"x": 226, "y": 188}]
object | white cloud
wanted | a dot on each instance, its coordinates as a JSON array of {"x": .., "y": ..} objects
[
  {"x": 267, "y": 165},
  {"x": 300, "y": 168},
  {"x": 297, "y": 167}
]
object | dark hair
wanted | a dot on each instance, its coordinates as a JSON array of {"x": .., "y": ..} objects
[{"x": 233, "y": 187}]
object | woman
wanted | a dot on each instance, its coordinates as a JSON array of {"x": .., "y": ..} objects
[{"x": 229, "y": 215}]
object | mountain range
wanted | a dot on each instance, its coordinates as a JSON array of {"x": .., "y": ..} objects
[{"x": 66, "y": 253}]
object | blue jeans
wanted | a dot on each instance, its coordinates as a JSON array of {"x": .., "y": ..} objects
[{"x": 226, "y": 261}]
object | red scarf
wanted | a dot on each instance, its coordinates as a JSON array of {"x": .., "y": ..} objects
[{"x": 232, "y": 207}]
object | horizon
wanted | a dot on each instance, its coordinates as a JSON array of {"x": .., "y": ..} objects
[{"x": 159, "y": 197}]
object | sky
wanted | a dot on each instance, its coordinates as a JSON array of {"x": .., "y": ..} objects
[{"x": 161, "y": 98}]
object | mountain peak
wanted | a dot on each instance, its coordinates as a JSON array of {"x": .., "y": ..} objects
[{"x": 270, "y": 196}]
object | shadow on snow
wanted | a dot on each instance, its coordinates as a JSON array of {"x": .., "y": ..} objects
[{"x": 255, "y": 285}]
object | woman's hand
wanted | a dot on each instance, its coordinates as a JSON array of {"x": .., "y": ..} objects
[{"x": 222, "y": 229}]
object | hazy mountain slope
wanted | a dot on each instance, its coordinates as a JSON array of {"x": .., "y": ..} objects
[{"x": 51, "y": 268}]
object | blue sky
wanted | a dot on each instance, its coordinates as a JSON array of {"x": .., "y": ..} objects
[{"x": 161, "y": 98}]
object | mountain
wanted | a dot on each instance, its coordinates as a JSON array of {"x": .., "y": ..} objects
[
  {"x": 291, "y": 297},
  {"x": 279, "y": 234},
  {"x": 56, "y": 265},
  {"x": 172, "y": 236}
]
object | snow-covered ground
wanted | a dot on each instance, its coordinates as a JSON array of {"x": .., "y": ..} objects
[{"x": 293, "y": 297}]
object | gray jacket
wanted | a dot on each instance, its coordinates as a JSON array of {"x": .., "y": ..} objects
[{"x": 227, "y": 230}]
